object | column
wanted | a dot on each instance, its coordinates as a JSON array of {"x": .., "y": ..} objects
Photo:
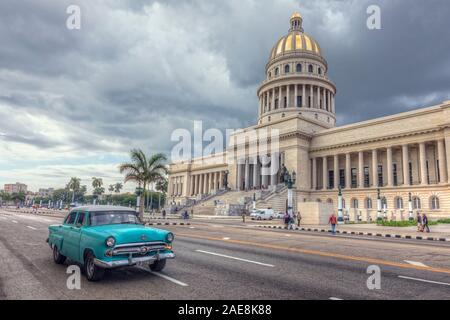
[
  {"x": 288, "y": 91},
  {"x": 191, "y": 188},
  {"x": 239, "y": 176},
  {"x": 311, "y": 95},
  {"x": 220, "y": 179},
  {"x": 329, "y": 100},
  {"x": 314, "y": 173},
  {"x": 325, "y": 172},
  {"x": 304, "y": 95},
  {"x": 333, "y": 104},
  {"x": 273, "y": 99},
  {"x": 247, "y": 174},
  {"x": 336, "y": 171},
  {"x": 447, "y": 152},
  {"x": 361, "y": 169},
  {"x": 405, "y": 157},
  {"x": 348, "y": 173},
  {"x": 375, "y": 168},
  {"x": 255, "y": 172},
  {"x": 423, "y": 164},
  {"x": 274, "y": 169},
  {"x": 212, "y": 176},
  {"x": 324, "y": 103},
  {"x": 318, "y": 97},
  {"x": 441, "y": 157},
  {"x": 265, "y": 177},
  {"x": 205, "y": 183},
  {"x": 390, "y": 177},
  {"x": 296, "y": 95}
]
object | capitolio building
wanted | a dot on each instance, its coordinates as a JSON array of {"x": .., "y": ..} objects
[{"x": 403, "y": 159}]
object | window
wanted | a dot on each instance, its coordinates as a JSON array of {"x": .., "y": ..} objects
[
  {"x": 380, "y": 176},
  {"x": 270, "y": 74},
  {"x": 276, "y": 104},
  {"x": 394, "y": 173},
  {"x": 343, "y": 203},
  {"x": 330, "y": 179},
  {"x": 354, "y": 178},
  {"x": 330, "y": 201},
  {"x": 410, "y": 173},
  {"x": 434, "y": 205},
  {"x": 276, "y": 71},
  {"x": 112, "y": 217},
  {"x": 287, "y": 69},
  {"x": 320, "y": 70},
  {"x": 398, "y": 203},
  {"x": 285, "y": 102},
  {"x": 428, "y": 173},
  {"x": 366, "y": 177},
  {"x": 309, "y": 102},
  {"x": 71, "y": 218},
  {"x": 80, "y": 218},
  {"x": 342, "y": 178},
  {"x": 298, "y": 68},
  {"x": 355, "y": 203},
  {"x": 438, "y": 172},
  {"x": 310, "y": 68},
  {"x": 416, "y": 203},
  {"x": 383, "y": 202},
  {"x": 318, "y": 200},
  {"x": 299, "y": 101},
  {"x": 368, "y": 203}
]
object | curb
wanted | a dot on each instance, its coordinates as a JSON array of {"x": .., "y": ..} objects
[
  {"x": 167, "y": 224},
  {"x": 375, "y": 235}
]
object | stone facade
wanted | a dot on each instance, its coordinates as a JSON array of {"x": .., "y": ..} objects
[{"x": 399, "y": 154}]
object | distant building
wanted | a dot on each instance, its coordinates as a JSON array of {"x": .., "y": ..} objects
[
  {"x": 44, "y": 193},
  {"x": 11, "y": 188}
]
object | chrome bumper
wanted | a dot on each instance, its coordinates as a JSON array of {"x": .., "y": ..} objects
[{"x": 132, "y": 260}]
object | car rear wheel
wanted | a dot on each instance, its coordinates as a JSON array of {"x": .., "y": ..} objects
[
  {"x": 158, "y": 265},
  {"x": 271, "y": 218},
  {"x": 93, "y": 272},
  {"x": 57, "y": 256},
  {"x": 259, "y": 218}
]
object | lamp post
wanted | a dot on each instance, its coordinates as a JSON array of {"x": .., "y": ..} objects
[
  {"x": 138, "y": 193},
  {"x": 340, "y": 213},
  {"x": 410, "y": 207},
  {"x": 254, "y": 201},
  {"x": 378, "y": 205},
  {"x": 289, "y": 181}
]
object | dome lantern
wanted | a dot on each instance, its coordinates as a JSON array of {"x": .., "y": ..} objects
[{"x": 296, "y": 22}]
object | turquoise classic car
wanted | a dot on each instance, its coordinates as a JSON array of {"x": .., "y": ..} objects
[{"x": 106, "y": 237}]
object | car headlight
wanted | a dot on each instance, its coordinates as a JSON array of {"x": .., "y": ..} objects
[
  {"x": 170, "y": 237},
  {"x": 110, "y": 242}
]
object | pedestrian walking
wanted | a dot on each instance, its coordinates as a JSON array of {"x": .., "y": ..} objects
[
  {"x": 299, "y": 218},
  {"x": 292, "y": 222},
  {"x": 333, "y": 221},
  {"x": 243, "y": 216},
  {"x": 164, "y": 214},
  {"x": 419, "y": 222},
  {"x": 425, "y": 223},
  {"x": 287, "y": 219},
  {"x": 192, "y": 213}
]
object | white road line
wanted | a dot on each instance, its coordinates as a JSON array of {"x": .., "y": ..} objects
[
  {"x": 235, "y": 258},
  {"x": 32, "y": 228},
  {"x": 165, "y": 277},
  {"x": 226, "y": 238},
  {"x": 14, "y": 221},
  {"x": 334, "y": 298},
  {"x": 415, "y": 263},
  {"x": 427, "y": 281}
]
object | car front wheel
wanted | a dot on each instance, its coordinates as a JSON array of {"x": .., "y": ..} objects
[
  {"x": 57, "y": 256},
  {"x": 93, "y": 272},
  {"x": 158, "y": 265}
]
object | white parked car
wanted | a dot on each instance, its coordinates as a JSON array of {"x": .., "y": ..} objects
[{"x": 262, "y": 214}]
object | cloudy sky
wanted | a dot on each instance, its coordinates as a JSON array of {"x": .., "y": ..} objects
[{"x": 73, "y": 102}]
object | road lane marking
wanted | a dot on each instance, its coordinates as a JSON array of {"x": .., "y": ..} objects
[
  {"x": 334, "y": 298},
  {"x": 32, "y": 228},
  {"x": 165, "y": 277},
  {"x": 236, "y": 258},
  {"x": 321, "y": 253},
  {"x": 423, "y": 280},
  {"x": 14, "y": 221},
  {"x": 225, "y": 238},
  {"x": 416, "y": 263}
]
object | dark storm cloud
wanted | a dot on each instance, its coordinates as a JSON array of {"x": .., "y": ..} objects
[{"x": 139, "y": 69}]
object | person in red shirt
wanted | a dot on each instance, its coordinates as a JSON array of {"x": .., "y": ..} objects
[{"x": 333, "y": 221}]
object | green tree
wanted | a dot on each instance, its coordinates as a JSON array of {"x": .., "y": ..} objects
[
  {"x": 74, "y": 185},
  {"x": 18, "y": 197},
  {"x": 97, "y": 184},
  {"x": 144, "y": 171},
  {"x": 117, "y": 187}
]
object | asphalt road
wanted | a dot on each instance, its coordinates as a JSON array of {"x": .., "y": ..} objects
[{"x": 229, "y": 260}]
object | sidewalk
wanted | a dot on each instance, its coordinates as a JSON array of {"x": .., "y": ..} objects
[{"x": 439, "y": 232}]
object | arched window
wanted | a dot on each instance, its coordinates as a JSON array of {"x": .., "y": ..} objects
[
  {"x": 368, "y": 203},
  {"x": 270, "y": 74},
  {"x": 310, "y": 68},
  {"x": 330, "y": 201},
  {"x": 320, "y": 70},
  {"x": 299, "y": 67},
  {"x": 434, "y": 203},
  {"x": 343, "y": 203},
  {"x": 383, "y": 202},
  {"x": 287, "y": 69},
  {"x": 276, "y": 71},
  {"x": 355, "y": 203},
  {"x": 398, "y": 203},
  {"x": 416, "y": 203}
]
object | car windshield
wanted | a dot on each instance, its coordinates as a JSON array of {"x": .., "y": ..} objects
[{"x": 113, "y": 217}]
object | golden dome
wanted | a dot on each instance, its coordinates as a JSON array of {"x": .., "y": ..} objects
[{"x": 295, "y": 41}]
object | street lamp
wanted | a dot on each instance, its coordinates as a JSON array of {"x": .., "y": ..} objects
[
  {"x": 410, "y": 207},
  {"x": 289, "y": 181},
  {"x": 378, "y": 205},
  {"x": 138, "y": 193},
  {"x": 340, "y": 213}
]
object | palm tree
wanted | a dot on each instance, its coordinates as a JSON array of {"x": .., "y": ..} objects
[
  {"x": 97, "y": 184},
  {"x": 144, "y": 171},
  {"x": 111, "y": 190},
  {"x": 117, "y": 187},
  {"x": 74, "y": 185}
]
